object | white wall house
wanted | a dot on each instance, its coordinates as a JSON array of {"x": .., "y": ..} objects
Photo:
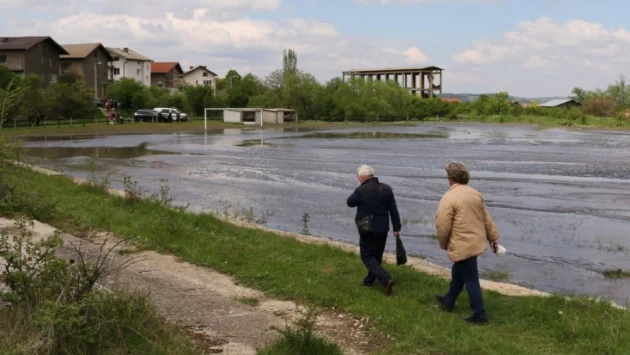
[
  {"x": 201, "y": 76},
  {"x": 130, "y": 64}
]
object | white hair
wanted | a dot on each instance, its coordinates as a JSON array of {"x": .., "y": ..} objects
[{"x": 365, "y": 170}]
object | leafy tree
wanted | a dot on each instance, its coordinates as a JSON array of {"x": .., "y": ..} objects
[
  {"x": 131, "y": 94},
  {"x": 500, "y": 103},
  {"x": 65, "y": 101},
  {"x": 289, "y": 61}
]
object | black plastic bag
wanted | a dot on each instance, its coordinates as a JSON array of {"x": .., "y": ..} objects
[{"x": 401, "y": 254}]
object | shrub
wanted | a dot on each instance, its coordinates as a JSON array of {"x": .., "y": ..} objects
[{"x": 599, "y": 106}]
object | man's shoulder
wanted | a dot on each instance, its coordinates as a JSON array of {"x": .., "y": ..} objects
[{"x": 385, "y": 187}]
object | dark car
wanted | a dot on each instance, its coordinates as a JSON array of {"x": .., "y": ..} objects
[{"x": 146, "y": 116}]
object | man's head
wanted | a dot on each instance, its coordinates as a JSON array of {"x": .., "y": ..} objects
[
  {"x": 365, "y": 172},
  {"x": 457, "y": 173}
]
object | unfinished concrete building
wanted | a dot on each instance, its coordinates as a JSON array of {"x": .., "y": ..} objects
[{"x": 424, "y": 82}]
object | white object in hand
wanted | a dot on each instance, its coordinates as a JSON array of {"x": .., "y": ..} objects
[{"x": 501, "y": 250}]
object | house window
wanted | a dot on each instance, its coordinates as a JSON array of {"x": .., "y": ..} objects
[
  {"x": 45, "y": 47},
  {"x": 116, "y": 71},
  {"x": 95, "y": 54},
  {"x": 139, "y": 62},
  {"x": 53, "y": 78},
  {"x": 3, "y": 59},
  {"x": 42, "y": 60},
  {"x": 205, "y": 73},
  {"x": 207, "y": 82},
  {"x": 137, "y": 71},
  {"x": 147, "y": 67},
  {"x": 53, "y": 62},
  {"x": 65, "y": 66}
]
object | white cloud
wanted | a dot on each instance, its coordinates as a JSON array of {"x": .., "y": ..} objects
[
  {"x": 407, "y": 2},
  {"x": 222, "y": 40},
  {"x": 415, "y": 55},
  {"x": 546, "y": 57}
]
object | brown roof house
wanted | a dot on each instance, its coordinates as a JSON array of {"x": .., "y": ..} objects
[
  {"x": 166, "y": 74},
  {"x": 32, "y": 56},
  {"x": 90, "y": 60}
]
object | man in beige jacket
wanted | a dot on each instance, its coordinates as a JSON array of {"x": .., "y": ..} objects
[{"x": 463, "y": 227}]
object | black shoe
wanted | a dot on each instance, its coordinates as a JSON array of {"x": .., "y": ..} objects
[
  {"x": 388, "y": 288},
  {"x": 440, "y": 300},
  {"x": 476, "y": 321}
]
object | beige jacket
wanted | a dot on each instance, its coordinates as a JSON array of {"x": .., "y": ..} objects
[{"x": 464, "y": 226}]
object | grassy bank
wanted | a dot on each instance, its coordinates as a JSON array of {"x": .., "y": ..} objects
[
  {"x": 586, "y": 122},
  {"x": 328, "y": 277}
]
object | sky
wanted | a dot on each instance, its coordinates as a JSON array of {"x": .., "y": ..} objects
[{"x": 530, "y": 48}]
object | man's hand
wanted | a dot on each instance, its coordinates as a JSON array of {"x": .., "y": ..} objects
[
  {"x": 494, "y": 246},
  {"x": 397, "y": 234}
]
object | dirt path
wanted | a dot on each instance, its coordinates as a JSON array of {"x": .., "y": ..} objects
[{"x": 233, "y": 319}]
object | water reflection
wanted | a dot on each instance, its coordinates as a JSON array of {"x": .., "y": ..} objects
[{"x": 53, "y": 153}]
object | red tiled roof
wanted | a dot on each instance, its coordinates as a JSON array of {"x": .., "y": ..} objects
[{"x": 163, "y": 67}]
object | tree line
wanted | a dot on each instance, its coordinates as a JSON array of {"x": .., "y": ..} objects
[{"x": 288, "y": 87}]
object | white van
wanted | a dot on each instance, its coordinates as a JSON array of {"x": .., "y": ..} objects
[{"x": 175, "y": 114}]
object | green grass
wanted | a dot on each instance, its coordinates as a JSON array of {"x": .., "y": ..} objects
[
  {"x": 590, "y": 121},
  {"x": 616, "y": 274},
  {"x": 324, "y": 276},
  {"x": 118, "y": 324}
]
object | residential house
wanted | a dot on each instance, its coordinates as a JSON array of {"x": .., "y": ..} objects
[
  {"x": 90, "y": 60},
  {"x": 166, "y": 74},
  {"x": 561, "y": 103},
  {"x": 130, "y": 64},
  {"x": 201, "y": 76},
  {"x": 32, "y": 56}
]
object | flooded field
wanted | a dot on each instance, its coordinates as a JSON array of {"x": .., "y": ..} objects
[{"x": 561, "y": 198}]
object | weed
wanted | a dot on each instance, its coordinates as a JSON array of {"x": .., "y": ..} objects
[
  {"x": 305, "y": 219},
  {"x": 301, "y": 339},
  {"x": 133, "y": 193},
  {"x": 54, "y": 306},
  {"x": 616, "y": 274}
]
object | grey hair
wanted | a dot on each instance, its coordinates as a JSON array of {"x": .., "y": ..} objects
[
  {"x": 457, "y": 172},
  {"x": 365, "y": 170}
]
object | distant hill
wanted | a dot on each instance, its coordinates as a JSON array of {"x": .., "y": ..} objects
[{"x": 473, "y": 97}]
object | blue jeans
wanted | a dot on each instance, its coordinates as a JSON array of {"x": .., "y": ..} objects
[
  {"x": 372, "y": 248},
  {"x": 465, "y": 272}
]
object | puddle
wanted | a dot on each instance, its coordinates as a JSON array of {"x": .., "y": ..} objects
[{"x": 54, "y": 153}]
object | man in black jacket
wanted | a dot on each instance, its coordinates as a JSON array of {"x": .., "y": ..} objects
[{"x": 375, "y": 201}]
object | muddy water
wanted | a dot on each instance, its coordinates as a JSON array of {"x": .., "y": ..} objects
[{"x": 560, "y": 198}]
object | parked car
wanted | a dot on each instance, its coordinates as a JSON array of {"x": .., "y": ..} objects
[
  {"x": 171, "y": 114},
  {"x": 146, "y": 115}
]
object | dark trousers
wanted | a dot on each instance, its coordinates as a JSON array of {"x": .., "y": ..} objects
[
  {"x": 372, "y": 248},
  {"x": 465, "y": 273}
]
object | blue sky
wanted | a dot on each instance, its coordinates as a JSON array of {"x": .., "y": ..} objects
[{"x": 528, "y": 48}]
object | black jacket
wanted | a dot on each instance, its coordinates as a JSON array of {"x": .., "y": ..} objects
[{"x": 376, "y": 199}]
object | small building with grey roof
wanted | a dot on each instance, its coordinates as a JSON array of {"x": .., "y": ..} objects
[{"x": 561, "y": 103}]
